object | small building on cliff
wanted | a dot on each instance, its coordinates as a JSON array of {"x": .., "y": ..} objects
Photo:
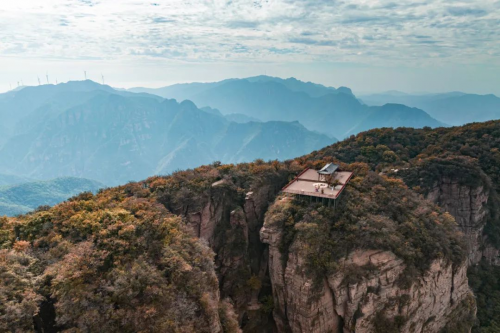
[{"x": 327, "y": 183}]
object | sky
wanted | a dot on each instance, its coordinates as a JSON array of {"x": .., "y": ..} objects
[{"x": 367, "y": 45}]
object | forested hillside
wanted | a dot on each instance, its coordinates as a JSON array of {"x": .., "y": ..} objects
[
  {"x": 116, "y": 262},
  {"x": 458, "y": 168},
  {"x": 125, "y": 241},
  {"x": 108, "y": 236}
]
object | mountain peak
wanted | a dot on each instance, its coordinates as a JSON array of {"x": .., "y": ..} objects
[
  {"x": 345, "y": 90},
  {"x": 187, "y": 104},
  {"x": 84, "y": 85}
]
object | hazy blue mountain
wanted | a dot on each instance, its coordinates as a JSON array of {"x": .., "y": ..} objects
[
  {"x": 15, "y": 105},
  {"x": 310, "y": 88},
  {"x": 260, "y": 139},
  {"x": 335, "y": 112},
  {"x": 236, "y": 117},
  {"x": 455, "y": 108},
  {"x": 115, "y": 137},
  {"x": 188, "y": 90},
  {"x": 211, "y": 111},
  {"x": 22, "y": 198},
  {"x": 400, "y": 97},
  {"x": 181, "y": 91},
  {"x": 395, "y": 115},
  {"x": 22, "y": 109}
]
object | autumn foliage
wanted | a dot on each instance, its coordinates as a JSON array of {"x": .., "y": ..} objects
[
  {"x": 118, "y": 261},
  {"x": 125, "y": 261}
]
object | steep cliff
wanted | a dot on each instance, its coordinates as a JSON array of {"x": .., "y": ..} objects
[
  {"x": 368, "y": 266},
  {"x": 469, "y": 207},
  {"x": 374, "y": 303},
  {"x": 361, "y": 269},
  {"x": 460, "y": 187},
  {"x": 226, "y": 212},
  {"x": 232, "y": 231},
  {"x": 457, "y": 168}
]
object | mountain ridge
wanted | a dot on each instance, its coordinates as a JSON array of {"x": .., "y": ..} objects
[
  {"x": 115, "y": 137},
  {"x": 454, "y": 108},
  {"x": 331, "y": 111}
]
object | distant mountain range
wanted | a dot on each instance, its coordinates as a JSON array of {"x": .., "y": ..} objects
[
  {"x": 393, "y": 115},
  {"x": 184, "y": 91},
  {"x": 23, "y": 109},
  {"x": 455, "y": 108},
  {"x": 84, "y": 129},
  {"x": 23, "y": 198},
  {"x": 335, "y": 112}
]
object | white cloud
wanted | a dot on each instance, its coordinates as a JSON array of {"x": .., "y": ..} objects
[
  {"x": 420, "y": 33},
  {"x": 242, "y": 30}
]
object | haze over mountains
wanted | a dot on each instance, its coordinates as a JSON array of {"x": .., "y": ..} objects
[
  {"x": 84, "y": 129},
  {"x": 24, "y": 197},
  {"x": 335, "y": 112},
  {"x": 455, "y": 108}
]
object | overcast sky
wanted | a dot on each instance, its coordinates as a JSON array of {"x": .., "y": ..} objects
[{"x": 368, "y": 45}]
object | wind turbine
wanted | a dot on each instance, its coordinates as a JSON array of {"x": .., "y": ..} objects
[
  {"x": 85, "y": 72},
  {"x": 47, "y": 76},
  {"x": 102, "y": 76},
  {"x": 39, "y": 83}
]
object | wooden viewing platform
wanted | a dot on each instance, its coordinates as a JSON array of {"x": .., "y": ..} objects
[{"x": 312, "y": 183}]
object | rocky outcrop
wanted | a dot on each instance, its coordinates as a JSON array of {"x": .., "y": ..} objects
[
  {"x": 373, "y": 302},
  {"x": 366, "y": 294},
  {"x": 250, "y": 215},
  {"x": 468, "y": 205}
]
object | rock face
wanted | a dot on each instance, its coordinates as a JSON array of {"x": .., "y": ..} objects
[
  {"x": 232, "y": 231},
  {"x": 376, "y": 299},
  {"x": 468, "y": 205},
  {"x": 369, "y": 304}
]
